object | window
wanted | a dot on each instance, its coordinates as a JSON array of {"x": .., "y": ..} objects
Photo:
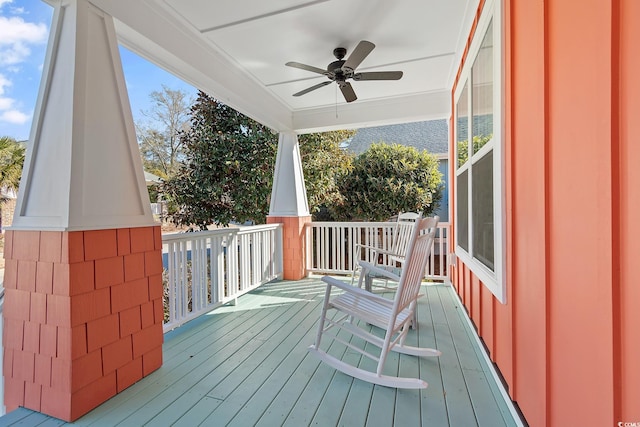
[
  {"x": 462, "y": 179},
  {"x": 478, "y": 136}
]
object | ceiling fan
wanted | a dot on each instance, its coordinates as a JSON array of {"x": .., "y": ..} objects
[{"x": 341, "y": 70}]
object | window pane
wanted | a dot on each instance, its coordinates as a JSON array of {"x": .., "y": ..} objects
[
  {"x": 482, "y": 78},
  {"x": 482, "y": 216},
  {"x": 462, "y": 215},
  {"x": 462, "y": 125}
]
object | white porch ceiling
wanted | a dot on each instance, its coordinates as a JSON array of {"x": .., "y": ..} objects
[{"x": 236, "y": 51}]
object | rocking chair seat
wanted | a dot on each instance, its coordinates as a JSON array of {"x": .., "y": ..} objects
[{"x": 370, "y": 308}]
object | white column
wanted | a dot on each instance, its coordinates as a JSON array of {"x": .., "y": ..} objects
[
  {"x": 289, "y": 195},
  {"x": 83, "y": 169}
]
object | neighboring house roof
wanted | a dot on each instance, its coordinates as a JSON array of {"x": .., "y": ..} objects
[
  {"x": 432, "y": 136},
  {"x": 151, "y": 178}
]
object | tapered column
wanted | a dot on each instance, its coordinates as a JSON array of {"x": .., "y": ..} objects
[
  {"x": 83, "y": 304},
  {"x": 289, "y": 205}
]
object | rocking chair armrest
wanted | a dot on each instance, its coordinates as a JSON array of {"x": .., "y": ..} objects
[
  {"x": 360, "y": 247},
  {"x": 381, "y": 251},
  {"x": 332, "y": 281},
  {"x": 377, "y": 271},
  {"x": 363, "y": 246},
  {"x": 396, "y": 257},
  {"x": 377, "y": 250},
  {"x": 389, "y": 253}
]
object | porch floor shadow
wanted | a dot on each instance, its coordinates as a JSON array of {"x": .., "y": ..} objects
[{"x": 248, "y": 365}]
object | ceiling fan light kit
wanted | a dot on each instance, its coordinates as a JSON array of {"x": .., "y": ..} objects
[{"x": 341, "y": 70}]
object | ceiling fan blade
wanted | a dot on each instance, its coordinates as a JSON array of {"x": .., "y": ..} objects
[
  {"x": 358, "y": 55},
  {"x": 348, "y": 92},
  {"x": 314, "y": 87},
  {"x": 306, "y": 67},
  {"x": 378, "y": 75}
]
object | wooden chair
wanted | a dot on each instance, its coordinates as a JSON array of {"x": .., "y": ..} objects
[
  {"x": 392, "y": 265},
  {"x": 392, "y": 258},
  {"x": 358, "y": 309}
]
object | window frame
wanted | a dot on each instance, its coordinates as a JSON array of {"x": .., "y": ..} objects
[{"x": 495, "y": 281}]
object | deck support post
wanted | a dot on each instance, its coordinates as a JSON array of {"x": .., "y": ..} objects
[
  {"x": 289, "y": 205},
  {"x": 83, "y": 306}
]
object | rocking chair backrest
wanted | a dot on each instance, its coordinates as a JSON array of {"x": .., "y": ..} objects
[
  {"x": 402, "y": 232},
  {"x": 415, "y": 262}
]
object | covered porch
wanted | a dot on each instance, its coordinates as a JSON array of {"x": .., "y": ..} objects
[
  {"x": 558, "y": 273},
  {"x": 247, "y": 364},
  {"x": 83, "y": 304}
]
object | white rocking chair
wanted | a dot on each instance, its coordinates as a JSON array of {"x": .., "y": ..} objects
[
  {"x": 361, "y": 308},
  {"x": 391, "y": 259}
]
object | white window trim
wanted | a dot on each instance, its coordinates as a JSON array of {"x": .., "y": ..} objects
[{"x": 495, "y": 281}]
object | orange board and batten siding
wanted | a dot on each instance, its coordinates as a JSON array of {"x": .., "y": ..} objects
[
  {"x": 83, "y": 316},
  {"x": 567, "y": 341}
]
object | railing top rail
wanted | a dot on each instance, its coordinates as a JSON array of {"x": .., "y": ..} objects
[
  {"x": 361, "y": 224},
  {"x": 260, "y": 227},
  {"x": 350, "y": 224},
  {"x": 224, "y": 231},
  {"x": 198, "y": 234}
]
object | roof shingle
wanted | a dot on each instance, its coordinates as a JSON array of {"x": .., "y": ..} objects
[{"x": 432, "y": 136}]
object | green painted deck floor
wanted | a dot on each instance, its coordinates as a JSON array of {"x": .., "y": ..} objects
[{"x": 248, "y": 365}]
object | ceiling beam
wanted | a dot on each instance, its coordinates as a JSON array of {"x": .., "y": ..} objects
[
  {"x": 162, "y": 38},
  {"x": 360, "y": 114}
]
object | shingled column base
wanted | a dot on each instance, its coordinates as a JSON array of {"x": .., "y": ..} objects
[
  {"x": 292, "y": 245},
  {"x": 83, "y": 316}
]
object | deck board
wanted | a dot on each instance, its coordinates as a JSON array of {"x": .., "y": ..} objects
[
  {"x": 246, "y": 380},
  {"x": 480, "y": 397},
  {"x": 433, "y": 403},
  {"x": 203, "y": 345},
  {"x": 457, "y": 394},
  {"x": 239, "y": 355},
  {"x": 478, "y": 388},
  {"x": 248, "y": 364},
  {"x": 185, "y": 369}
]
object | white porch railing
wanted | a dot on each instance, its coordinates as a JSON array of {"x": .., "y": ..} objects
[
  {"x": 331, "y": 247},
  {"x": 202, "y": 272},
  {"x": 206, "y": 269}
]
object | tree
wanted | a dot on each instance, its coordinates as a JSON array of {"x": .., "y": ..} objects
[
  {"x": 11, "y": 160},
  {"x": 12, "y": 155},
  {"x": 228, "y": 169},
  {"x": 463, "y": 147},
  {"x": 324, "y": 163},
  {"x": 162, "y": 149},
  {"x": 388, "y": 179}
]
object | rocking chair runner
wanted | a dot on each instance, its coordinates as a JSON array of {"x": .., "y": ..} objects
[{"x": 361, "y": 308}]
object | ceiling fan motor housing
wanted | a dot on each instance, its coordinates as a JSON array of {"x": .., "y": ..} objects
[{"x": 335, "y": 68}]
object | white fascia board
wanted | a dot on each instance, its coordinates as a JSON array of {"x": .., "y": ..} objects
[
  {"x": 461, "y": 43},
  {"x": 360, "y": 114}
]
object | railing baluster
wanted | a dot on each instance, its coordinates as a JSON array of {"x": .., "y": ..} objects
[
  {"x": 210, "y": 268},
  {"x": 183, "y": 290},
  {"x": 215, "y": 267},
  {"x": 332, "y": 247}
]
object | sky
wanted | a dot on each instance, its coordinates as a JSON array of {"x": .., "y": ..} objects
[{"x": 24, "y": 32}]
